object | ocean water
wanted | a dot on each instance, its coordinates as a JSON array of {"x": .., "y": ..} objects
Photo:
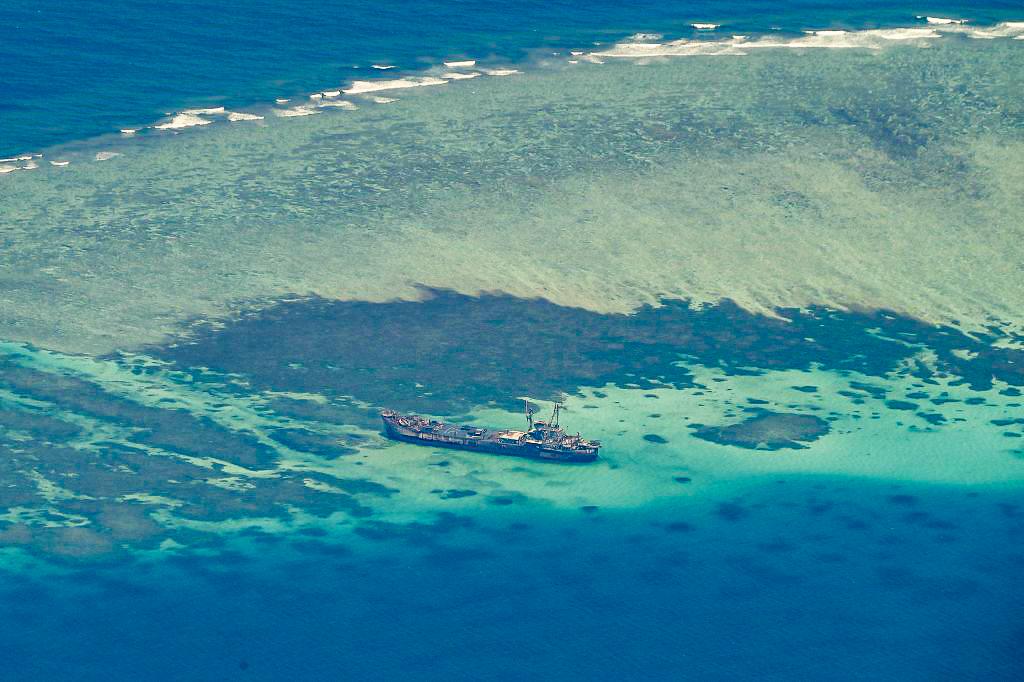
[{"x": 769, "y": 254}]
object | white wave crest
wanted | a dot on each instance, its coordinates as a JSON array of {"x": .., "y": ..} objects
[
  {"x": 674, "y": 48},
  {"x": 382, "y": 100},
  {"x": 282, "y": 100},
  {"x": 301, "y": 110},
  {"x": 331, "y": 93},
  {"x": 382, "y": 67},
  {"x": 942, "y": 21},
  {"x": 705, "y": 27},
  {"x": 105, "y": 156},
  {"x": 338, "y": 104},
  {"x": 1007, "y": 29},
  {"x": 455, "y": 76},
  {"x": 7, "y": 168},
  {"x": 465, "y": 63},
  {"x": 872, "y": 39},
  {"x": 128, "y": 132},
  {"x": 30, "y": 165},
  {"x": 183, "y": 120},
  {"x": 243, "y": 116},
  {"x": 209, "y": 111},
  {"x": 501, "y": 72},
  {"x": 360, "y": 87},
  {"x": 59, "y": 164}
]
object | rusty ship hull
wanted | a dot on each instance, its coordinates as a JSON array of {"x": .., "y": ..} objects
[{"x": 541, "y": 442}]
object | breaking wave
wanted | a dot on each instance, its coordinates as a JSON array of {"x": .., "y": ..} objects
[{"x": 868, "y": 39}]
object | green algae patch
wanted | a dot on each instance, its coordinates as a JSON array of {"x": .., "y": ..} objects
[{"x": 767, "y": 431}]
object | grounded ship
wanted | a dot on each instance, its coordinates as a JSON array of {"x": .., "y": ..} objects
[{"x": 544, "y": 440}]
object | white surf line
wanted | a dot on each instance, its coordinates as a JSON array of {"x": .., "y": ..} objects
[
  {"x": 942, "y": 21},
  {"x": 637, "y": 46},
  {"x": 338, "y": 104},
  {"x": 871, "y": 39},
  {"x": 301, "y": 110},
  {"x": 243, "y": 116},
  {"x": 183, "y": 120},
  {"x": 361, "y": 87}
]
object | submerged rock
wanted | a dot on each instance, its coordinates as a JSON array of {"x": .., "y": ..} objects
[{"x": 767, "y": 431}]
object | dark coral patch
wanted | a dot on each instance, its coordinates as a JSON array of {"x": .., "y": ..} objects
[
  {"x": 1007, "y": 422},
  {"x": 767, "y": 431},
  {"x": 455, "y": 494},
  {"x": 900, "y": 405},
  {"x": 37, "y": 425},
  {"x": 654, "y": 438},
  {"x": 678, "y": 527},
  {"x": 730, "y": 511},
  {"x": 409, "y": 348},
  {"x": 308, "y": 441},
  {"x": 165, "y": 428}
]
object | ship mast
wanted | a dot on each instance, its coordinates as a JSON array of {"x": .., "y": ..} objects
[{"x": 529, "y": 412}]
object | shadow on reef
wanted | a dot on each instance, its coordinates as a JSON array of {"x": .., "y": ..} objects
[{"x": 450, "y": 352}]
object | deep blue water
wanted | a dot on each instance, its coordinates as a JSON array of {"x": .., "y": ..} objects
[
  {"x": 806, "y": 578},
  {"x": 77, "y": 69}
]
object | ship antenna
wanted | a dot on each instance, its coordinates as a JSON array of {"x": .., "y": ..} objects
[
  {"x": 529, "y": 412},
  {"x": 554, "y": 414}
]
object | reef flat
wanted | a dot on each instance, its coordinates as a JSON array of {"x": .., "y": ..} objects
[{"x": 857, "y": 178}]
